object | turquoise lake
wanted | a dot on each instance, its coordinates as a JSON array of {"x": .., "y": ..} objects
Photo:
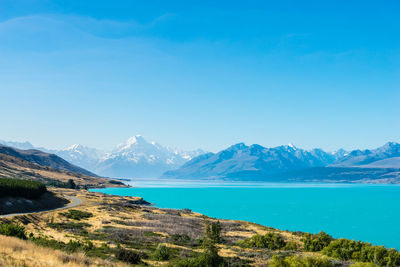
[{"x": 362, "y": 212}]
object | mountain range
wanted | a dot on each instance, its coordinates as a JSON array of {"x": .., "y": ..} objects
[
  {"x": 134, "y": 158},
  {"x": 138, "y": 158},
  {"x": 289, "y": 163}
]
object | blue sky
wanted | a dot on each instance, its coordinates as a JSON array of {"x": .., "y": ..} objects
[{"x": 200, "y": 74}]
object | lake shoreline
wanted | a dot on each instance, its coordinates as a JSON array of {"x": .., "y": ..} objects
[{"x": 305, "y": 216}]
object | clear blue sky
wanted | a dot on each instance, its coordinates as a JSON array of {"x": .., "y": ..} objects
[{"x": 200, "y": 74}]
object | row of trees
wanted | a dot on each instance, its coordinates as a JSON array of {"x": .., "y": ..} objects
[{"x": 21, "y": 188}]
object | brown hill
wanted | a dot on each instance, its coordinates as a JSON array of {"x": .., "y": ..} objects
[
  {"x": 14, "y": 167},
  {"x": 44, "y": 159}
]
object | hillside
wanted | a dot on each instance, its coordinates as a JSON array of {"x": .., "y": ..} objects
[
  {"x": 17, "y": 252},
  {"x": 120, "y": 230},
  {"x": 13, "y": 167},
  {"x": 43, "y": 159}
]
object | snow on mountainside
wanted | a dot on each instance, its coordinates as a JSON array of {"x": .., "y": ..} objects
[
  {"x": 139, "y": 158},
  {"x": 240, "y": 158},
  {"x": 241, "y": 161},
  {"x": 134, "y": 158},
  {"x": 373, "y": 158},
  {"x": 80, "y": 155}
]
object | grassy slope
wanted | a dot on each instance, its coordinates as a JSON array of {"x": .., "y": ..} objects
[
  {"x": 118, "y": 220},
  {"x": 12, "y": 167},
  {"x": 16, "y": 252}
]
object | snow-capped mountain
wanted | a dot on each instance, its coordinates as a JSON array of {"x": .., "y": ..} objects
[
  {"x": 80, "y": 155},
  {"x": 134, "y": 158},
  {"x": 139, "y": 158},
  {"x": 256, "y": 162},
  {"x": 386, "y": 156}
]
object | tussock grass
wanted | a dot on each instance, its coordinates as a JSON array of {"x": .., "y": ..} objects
[{"x": 17, "y": 252}]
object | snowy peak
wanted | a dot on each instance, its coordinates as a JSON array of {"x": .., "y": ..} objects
[
  {"x": 137, "y": 157},
  {"x": 135, "y": 140},
  {"x": 136, "y": 143},
  {"x": 290, "y": 145}
]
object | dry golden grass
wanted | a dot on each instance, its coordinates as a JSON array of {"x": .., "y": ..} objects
[
  {"x": 16, "y": 252},
  {"x": 148, "y": 219}
]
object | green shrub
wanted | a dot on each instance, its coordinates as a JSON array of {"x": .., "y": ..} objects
[
  {"x": 269, "y": 240},
  {"x": 77, "y": 214},
  {"x": 73, "y": 227},
  {"x": 290, "y": 246},
  {"x": 21, "y": 188},
  {"x": 71, "y": 246},
  {"x": 116, "y": 182},
  {"x": 316, "y": 242},
  {"x": 297, "y": 261},
  {"x": 213, "y": 232},
  {"x": 179, "y": 239},
  {"x": 208, "y": 258},
  {"x": 71, "y": 184},
  {"x": 161, "y": 253},
  {"x": 12, "y": 229},
  {"x": 128, "y": 256},
  {"x": 345, "y": 249},
  {"x": 150, "y": 234},
  {"x": 363, "y": 264}
]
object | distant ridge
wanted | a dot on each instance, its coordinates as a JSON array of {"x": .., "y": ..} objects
[
  {"x": 44, "y": 159},
  {"x": 289, "y": 163}
]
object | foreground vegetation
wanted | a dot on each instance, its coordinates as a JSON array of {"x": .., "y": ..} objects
[
  {"x": 116, "y": 231},
  {"x": 21, "y": 188}
]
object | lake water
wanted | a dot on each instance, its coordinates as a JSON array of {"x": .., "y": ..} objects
[{"x": 362, "y": 212}]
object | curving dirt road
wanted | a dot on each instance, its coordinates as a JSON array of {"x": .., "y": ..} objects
[{"x": 74, "y": 202}]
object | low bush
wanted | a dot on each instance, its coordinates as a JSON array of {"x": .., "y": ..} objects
[
  {"x": 213, "y": 231},
  {"x": 269, "y": 240},
  {"x": 21, "y": 188},
  {"x": 180, "y": 239},
  {"x": 150, "y": 234},
  {"x": 345, "y": 249},
  {"x": 73, "y": 227},
  {"x": 316, "y": 242},
  {"x": 73, "y": 246},
  {"x": 208, "y": 258},
  {"x": 77, "y": 214},
  {"x": 128, "y": 256},
  {"x": 161, "y": 253},
  {"x": 291, "y": 246},
  {"x": 116, "y": 182},
  {"x": 12, "y": 229},
  {"x": 296, "y": 261}
]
